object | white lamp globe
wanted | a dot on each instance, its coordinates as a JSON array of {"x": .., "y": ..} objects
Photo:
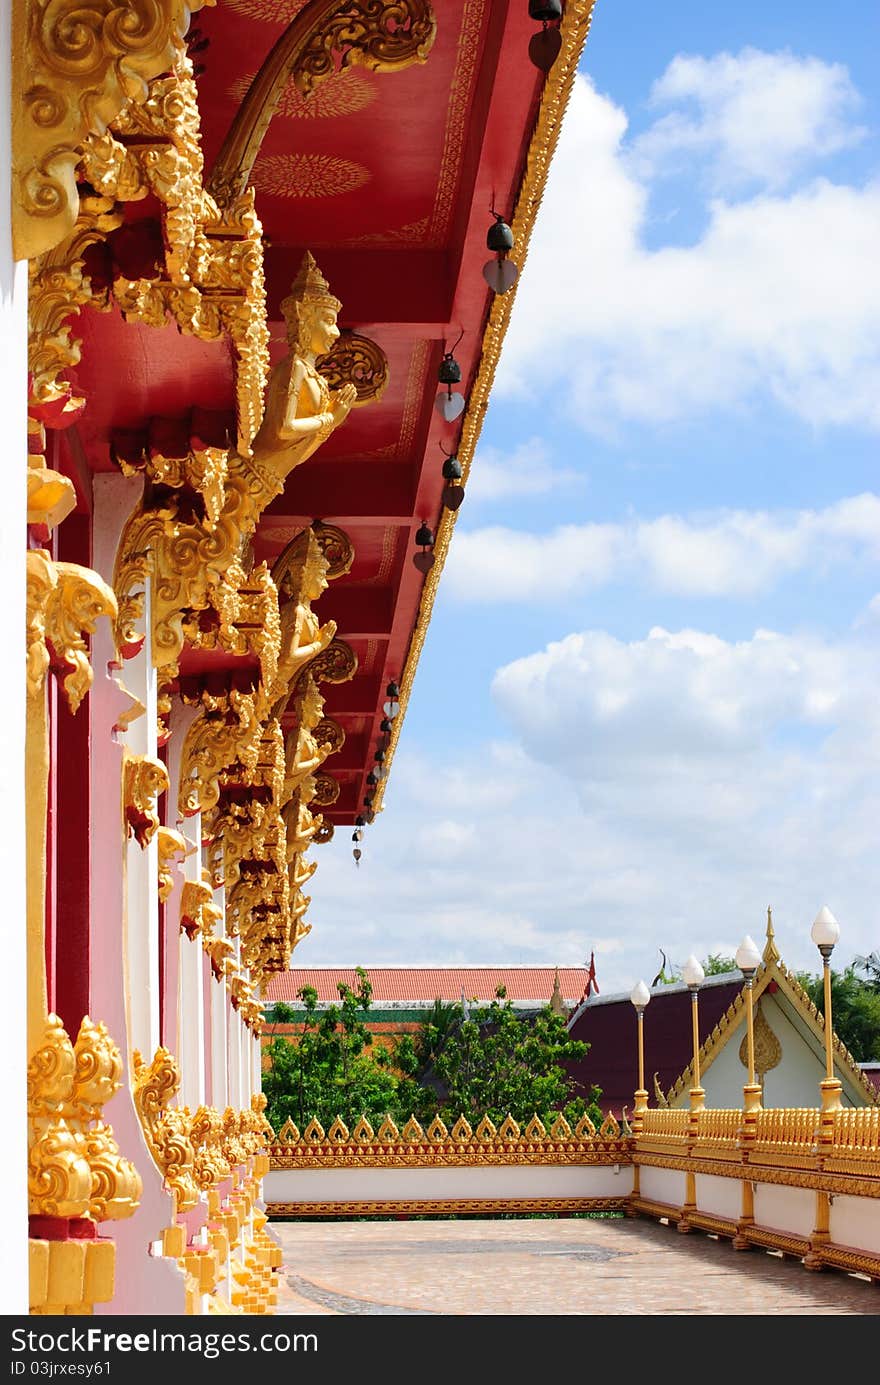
[
  {"x": 692, "y": 972},
  {"x": 825, "y": 930},
  {"x": 747, "y": 955},
  {"x": 640, "y": 995}
]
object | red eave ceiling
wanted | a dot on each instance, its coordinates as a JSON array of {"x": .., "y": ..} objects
[{"x": 388, "y": 179}]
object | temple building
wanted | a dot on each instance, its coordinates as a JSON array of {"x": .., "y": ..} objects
[
  {"x": 789, "y": 1043},
  {"x": 257, "y": 269}
]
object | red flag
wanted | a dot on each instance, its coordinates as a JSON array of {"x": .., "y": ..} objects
[{"x": 592, "y": 983}]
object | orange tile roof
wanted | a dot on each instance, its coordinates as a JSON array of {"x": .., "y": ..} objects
[{"x": 413, "y": 985}]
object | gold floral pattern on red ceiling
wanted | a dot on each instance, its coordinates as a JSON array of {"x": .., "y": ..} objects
[
  {"x": 460, "y": 93},
  {"x": 346, "y": 93},
  {"x": 413, "y": 233},
  {"x": 308, "y": 175},
  {"x": 269, "y": 11}
]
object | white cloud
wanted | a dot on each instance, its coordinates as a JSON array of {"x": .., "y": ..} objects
[
  {"x": 758, "y": 116},
  {"x": 525, "y": 470},
  {"x": 729, "y": 553},
  {"x": 779, "y": 298},
  {"x": 661, "y": 792}
]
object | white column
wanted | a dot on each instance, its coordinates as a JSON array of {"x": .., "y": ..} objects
[
  {"x": 245, "y": 1060},
  {"x": 13, "y": 514},
  {"x": 191, "y": 989},
  {"x": 234, "y": 1045},
  {"x": 219, "y": 1017},
  {"x": 142, "y": 865}
]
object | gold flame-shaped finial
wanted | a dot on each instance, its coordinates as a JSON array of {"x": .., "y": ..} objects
[{"x": 771, "y": 952}]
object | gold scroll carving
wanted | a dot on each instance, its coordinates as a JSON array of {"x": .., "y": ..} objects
[
  {"x": 74, "y": 69},
  {"x": 329, "y": 36},
  {"x": 74, "y": 1165},
  {"x": 165, "y": 1127},
  {"x": 144, "y": 779}
]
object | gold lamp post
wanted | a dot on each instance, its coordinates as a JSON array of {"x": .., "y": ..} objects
[
  {"x": 825, "y": 933},
  {"x": 694, "y": 976},
  {"x": 748, "y": 959},
  {"x": 640, "y": 997}
]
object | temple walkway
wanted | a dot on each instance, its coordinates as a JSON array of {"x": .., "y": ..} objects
[{"x": 546, "y": 1267}]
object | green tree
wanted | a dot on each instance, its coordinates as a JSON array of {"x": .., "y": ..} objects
[
  {"x": 717, "y": 963},
  {"x": 329, "y": 1072},
  {"x": 494, "y": 1063},
  {"x": 855, "y": 1008}
]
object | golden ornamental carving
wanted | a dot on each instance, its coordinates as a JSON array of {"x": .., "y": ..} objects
[
  {"x": 64, "y": 601},
  {"x": 171, "y": 845},
  {"x": 768, "y": 1049},
  {"x": 78, "y": 68},
  {"x": 59, "y": 1175},
  {"x": 57, "y": 290},
  {"x": 323, "y": 835},
  {"x": 334, "y": 543},
  {"x": 74, "y": 1165},
  {"x": 199, "y": 915},
  {"x": 338, "y": 663},
  {"x": 329, "y": 732},
  {"x": 453, "y": 1206},
  {"x": 116, "y": 1184},
  {"x": 327, "y": 790},
  {"x": 207, "y": 1135},
  {"x": 144, "y": 779},
  {"x": 234, "y": 1149},
  {"x": 413, "y": 1146},
  {"x": 214, "y": 743},
  {"x": 358, "y": 361},
  {"x": 328, "y": 37},
  {"x": 166, "y": 1128}
]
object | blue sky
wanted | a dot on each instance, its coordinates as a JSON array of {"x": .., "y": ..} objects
[{"x": 647, "y": 705}]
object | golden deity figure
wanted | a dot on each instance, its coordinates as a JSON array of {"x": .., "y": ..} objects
[
  {"x": 301, "y": 409},
  {"x": 301, "y": 870},
  {"x": 303, "y": 637},
  {"x": 303, "y": 754}
]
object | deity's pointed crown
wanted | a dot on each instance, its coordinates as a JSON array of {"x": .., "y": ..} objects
[{"x": 309, "y": 291}]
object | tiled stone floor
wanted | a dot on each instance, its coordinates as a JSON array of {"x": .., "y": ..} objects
[{"x": 548, "y": 1267}]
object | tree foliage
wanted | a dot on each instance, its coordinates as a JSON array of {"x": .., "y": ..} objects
[
  {"x": 855, "y": 1005},
  {"x": 329, "y": 1071},
  {"x": 490, "y": 1063}
]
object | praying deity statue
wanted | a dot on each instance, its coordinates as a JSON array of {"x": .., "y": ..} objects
[
  {"x": 303, "y": 754},
  {"x": 303, "y": 637},
  {"x": 301, "y": 409}
]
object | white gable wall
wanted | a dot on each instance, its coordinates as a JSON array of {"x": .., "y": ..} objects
[{"x": 794, "y": 1082}]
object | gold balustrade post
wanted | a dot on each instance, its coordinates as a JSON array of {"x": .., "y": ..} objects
[
  {"x": 640, "y": 997},
  {"x": 697, "y": 1095},
  {"x": 831, "y": 1087},
  {"x": 752, "y": 1089}
]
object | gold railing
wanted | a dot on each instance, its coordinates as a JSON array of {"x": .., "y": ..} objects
[
  {"x": 793, "y": 1129},
  {"x": 665, "y": 1123},
  {"x": 720, "y": 1127},
  {"x": 858, "y": 1130}
]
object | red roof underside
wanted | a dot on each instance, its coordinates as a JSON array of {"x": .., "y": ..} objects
[
  {"x": 408, "y": 985},
  {"x": 388, "y": 179}
]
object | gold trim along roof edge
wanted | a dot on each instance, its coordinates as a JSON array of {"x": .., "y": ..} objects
[
  {"x": 774, "y": 969},
  {"x": 542, "y": 146}
]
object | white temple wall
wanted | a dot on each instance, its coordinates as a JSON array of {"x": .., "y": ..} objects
[{"x": 526, "y": 1181}]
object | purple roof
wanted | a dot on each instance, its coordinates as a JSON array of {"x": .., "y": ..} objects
[{"x": 608, "y": 1025}]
